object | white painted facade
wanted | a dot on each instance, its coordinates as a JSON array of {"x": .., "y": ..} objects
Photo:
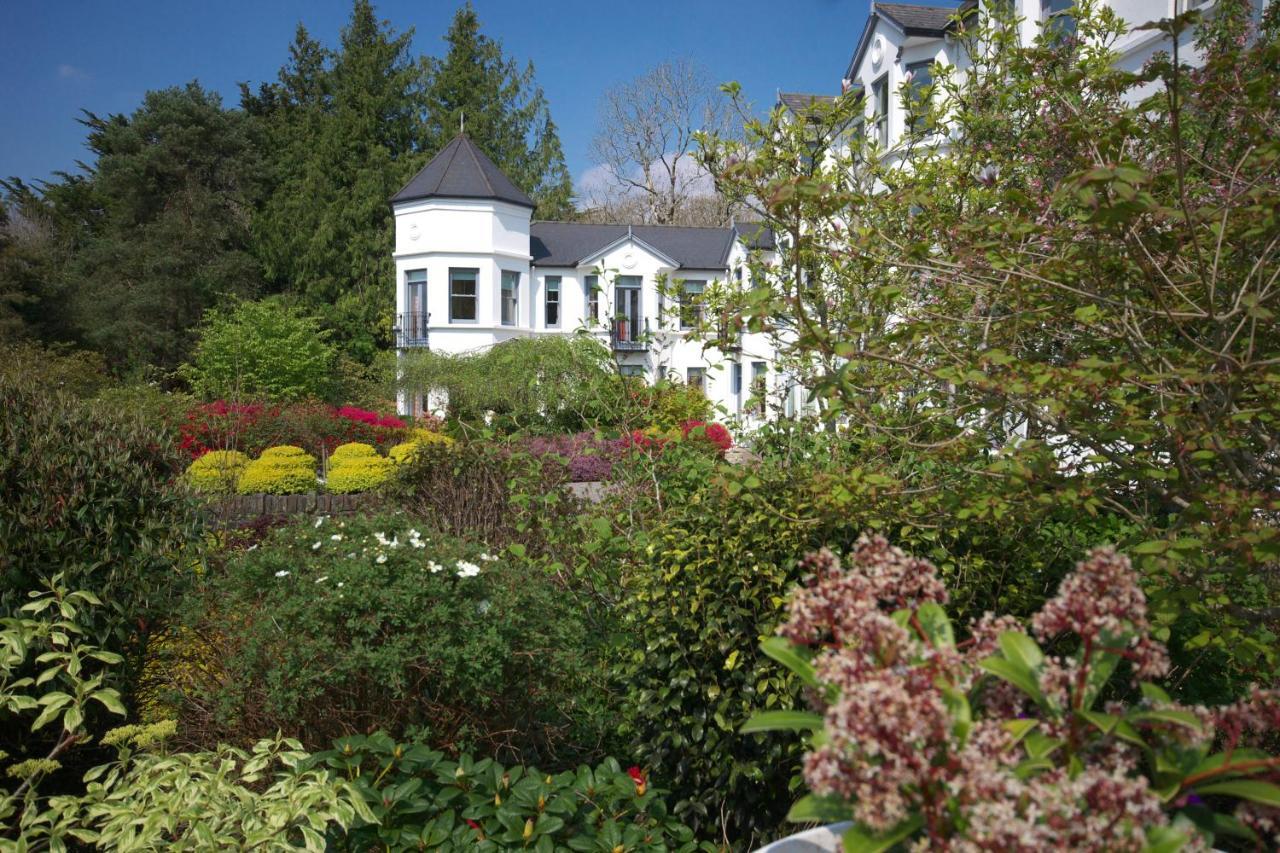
[
  {"x": 886, "y": 54},
  {"x": 443, "y": 242}
]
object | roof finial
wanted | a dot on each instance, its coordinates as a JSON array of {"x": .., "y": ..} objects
[{"x": 462, "y": 121}]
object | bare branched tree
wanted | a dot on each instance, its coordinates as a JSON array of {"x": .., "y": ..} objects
[{"x": 645, "y": 142}]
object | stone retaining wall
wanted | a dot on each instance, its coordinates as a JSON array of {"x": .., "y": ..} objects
[{"x": 247, "y": 507}]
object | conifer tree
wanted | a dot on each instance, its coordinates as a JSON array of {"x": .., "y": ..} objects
[{"x": 505, "y": 112}]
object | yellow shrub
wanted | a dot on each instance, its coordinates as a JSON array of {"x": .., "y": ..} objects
[
  {"x": 359, "y": 474},
  {"x": 217, "y": 471},
  {"x": 426, "y": 436},
  {"x": 352, "y": 450},
  {"x": 402, "y": 453},
  {"x": 288, "y": 476},
  {"x": 288, "y": 451}
]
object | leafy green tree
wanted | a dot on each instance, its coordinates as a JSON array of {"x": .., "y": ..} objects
[
  {"x": 504, "y": 110},
  {"x": 342, "y": 127},
  {"x": 1073, "y": 302},
  {"x": 159, "y": 225},
  {"x": 261, "y": 349}
]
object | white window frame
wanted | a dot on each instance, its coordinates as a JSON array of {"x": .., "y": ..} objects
[
  {"x": 474, "y": 296},
  {"x": 551, "y": 284},
  {"x": 512, "y": 276}
]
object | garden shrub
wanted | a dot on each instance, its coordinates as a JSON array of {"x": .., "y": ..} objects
[
  {"x": 288, "y": 471},
  {"x": 492, "y": 492},
  {"x": 288, "y": 452},
  {"x": 426, "y": 801},
  {"x": 262, "y": 349},
  {"x": 91, "y": 496},
  {"x": 333, "y": 626},
  {"x": 217, "y": 472},
  {"x": 253, "y": 427},
  {"x": 352, "y": 450},
  {"x": 358, "y": 474}
]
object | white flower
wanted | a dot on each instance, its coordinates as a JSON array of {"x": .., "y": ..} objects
[
  {"x": 394, "y": 543},
  {"x": 434, "y": 566},
  {"x": 316, "y": 547},
  {"x": 322, "y": 579},
  {"x": 467, "y": 570},
  {"x": 382, "y": 558},
  {"x": 337, "y": 537},
  {"x": 339, "y": 584},
  {"x": 319, "y": 521},
  {"x": 351, "y": 556},
  {"x": 488, "y": 558},
  {"x": 283, "y": 573},
  {"x": 381, "y": 537},
  {"x": 253, "y": 547}
]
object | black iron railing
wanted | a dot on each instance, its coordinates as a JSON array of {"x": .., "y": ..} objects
[
  {"x": 626, "y": 334},
  {"x": 411, "y": 329}
]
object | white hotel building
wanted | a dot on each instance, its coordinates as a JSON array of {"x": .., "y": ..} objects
[{"x": 473, "y": 268}]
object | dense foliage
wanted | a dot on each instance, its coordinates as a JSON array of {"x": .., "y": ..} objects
[
  {"x": 992, "y": 744},
  {"x": 1071, "y": 298},
  {"x": 253, "y": 427},
  {"x": 261, "y": 350},
  {"x": 423, "y": 800},
  {"x": 185, "y": 205},
  {"x": 339, "y": 625}
]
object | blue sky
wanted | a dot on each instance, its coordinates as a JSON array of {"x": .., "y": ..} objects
[{"x": 58, "y": 57}]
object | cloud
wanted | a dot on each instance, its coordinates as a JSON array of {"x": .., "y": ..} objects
[
  {"x": 598, "y": 181},
  {"x": 70, "y": 72}
]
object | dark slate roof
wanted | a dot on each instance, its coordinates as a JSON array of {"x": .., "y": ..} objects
[
  {"x": 566, "y": 244},
  {"x": 461, "y": 170},
  {"x": 917, "y": 20},
  {"x": 797, "y": 101},
  {"x": 912, "y": 18},
  {"x": 755, "y": 235}
]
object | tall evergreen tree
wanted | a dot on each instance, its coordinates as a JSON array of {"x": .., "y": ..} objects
[
  {"x": 158, "y": 228},
  {"x": 342, "y": 130},
  {"x": 505, "y": 112}
]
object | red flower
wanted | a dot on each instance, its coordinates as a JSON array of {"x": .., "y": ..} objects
[{"x": 640, "y": 778}]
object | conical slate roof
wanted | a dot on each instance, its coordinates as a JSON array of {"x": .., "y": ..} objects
[{"x": 461, "y": 170}]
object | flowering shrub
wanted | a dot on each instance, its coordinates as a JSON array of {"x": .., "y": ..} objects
[
  {"x": 364, "y": 416},
  {"x": 408, "y": 450},
  {"x": 337, "y": 625},
  {"x": 714, "y": 434},
  {"x": 217, "y": 471},
  {"x": 279, "y": 471},
  {"x": 990, "y": 744},
  {"x": 586, "y": 456},
  {"x": 426, "y": 801},
  {"x": 358, "y": 473},
  {"x": 252, "y": 427}
]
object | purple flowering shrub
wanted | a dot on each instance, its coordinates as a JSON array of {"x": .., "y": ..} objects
[
  {"x": 586, "y": 456},
  {"x": 991, "y": 743}
]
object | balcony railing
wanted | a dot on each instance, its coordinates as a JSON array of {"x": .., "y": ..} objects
[
  {"x": 411, "y": 329},
  {"x": 627, "y": 337}
]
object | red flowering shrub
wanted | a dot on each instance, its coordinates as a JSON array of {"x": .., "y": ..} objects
[
  {"x": 715, "y": 434},
  {"x": 992, "y": 744},
  {"x": 253, "y": 427}
]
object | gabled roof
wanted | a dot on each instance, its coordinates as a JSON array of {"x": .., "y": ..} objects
[
  {"x": 568, "y": 244},
  {"x": 913, "y": 19},
  {"x": 917, "y": 20},
  {"x": 462, "y": 170},
  {"x": 755, "y": 235},
  {"x": 799, "y": 101}
]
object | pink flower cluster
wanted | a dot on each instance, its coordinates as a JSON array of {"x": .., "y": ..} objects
[
  {"x": 1101, "y": 603},
  {"x": 892, "y": 749},
  {"x": 364, "y": 416}
]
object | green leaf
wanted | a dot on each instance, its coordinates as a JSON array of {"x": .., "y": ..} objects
[
  {"x": 859, "y": 841},
  {"x": 814, "y": 809},
  {"x": 1017, "y": 646},
  {"x": 1265, "y": 793},
  {"x": 787, "y": 654},
  {"x": 1016, "y": 674},
  {"x": 110, "y": 700},
  {"x": 936, "y": 625},
  {"x": 791, "y": 721}
]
